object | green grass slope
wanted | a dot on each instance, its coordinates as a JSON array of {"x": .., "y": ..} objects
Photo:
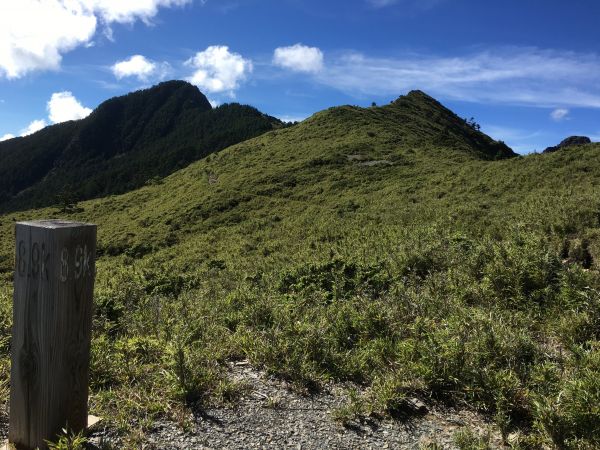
[
  {"x": 124, "y": 143},
  {"x": 356, "y": 246}
]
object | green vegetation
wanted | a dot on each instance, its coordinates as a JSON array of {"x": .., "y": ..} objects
[
  {"x": 395, "y": 246},
  {"x": 68, "y": 441},
  {"x": 123, "y": 144},
  {"x": 466, "y": 439}
]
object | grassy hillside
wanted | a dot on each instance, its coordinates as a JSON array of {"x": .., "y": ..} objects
[
  {"x": 396, "y": 247},
  {"x": 123, "y": 144}
]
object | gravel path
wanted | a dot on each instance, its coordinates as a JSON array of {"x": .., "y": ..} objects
[{"x": 271, "y": 416}]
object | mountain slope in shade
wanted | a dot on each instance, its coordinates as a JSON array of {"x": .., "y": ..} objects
[{"x": 124, "y": 143}]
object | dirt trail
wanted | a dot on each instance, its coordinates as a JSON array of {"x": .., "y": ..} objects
[{"x": 271, "y": 416}]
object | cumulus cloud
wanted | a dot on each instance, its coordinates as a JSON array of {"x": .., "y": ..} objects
[
  {"x": 35, "y": 34},
  {"x": 299, "y": 58},
  {"x": 218, "y": 70},
  {"x": 520, "y": 76},
  {"x": 140, "y": 67},
  {"x": 63, "y": 106},
  {"x": 122, "y": 11},
  {"x": 34, "y": 126},
  {"x": 559, "y": 114}
]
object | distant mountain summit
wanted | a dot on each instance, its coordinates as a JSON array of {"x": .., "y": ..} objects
[
  {"x": 413, "y": 120},
  {"x": 123, "y": 144},
  {"x": 443, "y": 127},
  {"x": 570, "y": 142}
]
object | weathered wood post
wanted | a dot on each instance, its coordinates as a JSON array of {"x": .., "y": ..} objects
[{"x": 52, "y": 318}]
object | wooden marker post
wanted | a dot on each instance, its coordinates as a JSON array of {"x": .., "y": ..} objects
[{"x": 52, "y": 317}]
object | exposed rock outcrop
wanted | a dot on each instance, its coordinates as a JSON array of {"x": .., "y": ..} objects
[{"x": 569, "y": 142}]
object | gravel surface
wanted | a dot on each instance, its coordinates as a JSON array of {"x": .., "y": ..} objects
[{"x": 272, "y": 416}]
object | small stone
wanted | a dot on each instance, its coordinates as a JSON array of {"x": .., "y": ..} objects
[{"x": 418, "y": 405}]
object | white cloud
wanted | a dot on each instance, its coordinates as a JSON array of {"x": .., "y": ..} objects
[
  {"x": 34, "y": 126},
  {"x": 509, "y": 133},
  {"x": 136, "y": 66},
  {"x": 524, "y": 76},
  {"x": 35, "y": 34},
  {"x": 128, "y": 11},
  {"x": 6, "y": 137},
  {"x": 520, "y": 140},
  {"x": 218, "y": 70},
  {"x": 290, "y": 118},
  {"x": 299, "y": 58},
  {"x": 63, "y": 106},
  {"x": 559, "y": 114}
]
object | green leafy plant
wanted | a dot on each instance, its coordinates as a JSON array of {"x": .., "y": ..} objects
[{"x": 68, "y": 441}]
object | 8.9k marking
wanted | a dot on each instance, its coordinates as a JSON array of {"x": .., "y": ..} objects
[
  {"x": 33, "y": 262},
  {"x": 81, "y": 263}
]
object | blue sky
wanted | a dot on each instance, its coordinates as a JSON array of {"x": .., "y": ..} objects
[{"x": 527, "y": 70}]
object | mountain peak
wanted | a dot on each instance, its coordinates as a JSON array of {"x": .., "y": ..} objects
[
  {"x": 183, "y": 88},
  {"x": 571, "y": 141},
  {"x": 418, "y": 93},
  {"x": 174, "y": 92},
  {"x": 439, "y": 124},
  {"x": 125, "y": 142}
]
